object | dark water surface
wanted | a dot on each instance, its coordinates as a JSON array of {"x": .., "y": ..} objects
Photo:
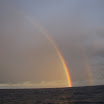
[{"x": 75, "y": 95}]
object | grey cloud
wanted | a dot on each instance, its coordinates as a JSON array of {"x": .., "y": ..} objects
[{"x": 76, "y": 29}]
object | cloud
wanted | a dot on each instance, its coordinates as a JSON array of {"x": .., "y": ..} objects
[
  {"x": 42, "y": 84},
  {"x": 26, "y": 54},
  {"x": 86, "y": 83}
]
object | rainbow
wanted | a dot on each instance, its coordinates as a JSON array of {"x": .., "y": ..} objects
[
  {"x": 86, "y": 65},
  {"x": 55, "y": 47},
  {"x": 88, "y": 71}
]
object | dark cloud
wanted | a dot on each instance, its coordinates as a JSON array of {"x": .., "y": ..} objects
[{"x": 26, "y": 54}]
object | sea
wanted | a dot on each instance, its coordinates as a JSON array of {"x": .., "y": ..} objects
[{"x": 70, "y": 95}]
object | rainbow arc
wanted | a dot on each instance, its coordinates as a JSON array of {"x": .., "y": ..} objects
[{"x": 33, "y": 22}]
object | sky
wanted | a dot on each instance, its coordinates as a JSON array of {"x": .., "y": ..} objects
[{"x": 27, "y": 57}]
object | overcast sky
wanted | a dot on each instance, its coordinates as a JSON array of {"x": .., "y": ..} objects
[{"x": 28, "y": 59}]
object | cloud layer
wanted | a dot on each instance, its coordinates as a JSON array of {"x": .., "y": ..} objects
[{"x": 26, "y": 55}]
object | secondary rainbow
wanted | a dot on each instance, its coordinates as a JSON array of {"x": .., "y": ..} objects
[
  {"x": 87, "y": 66},
  {"x": 88, "y": 70},
  {"x": 54, "y": 46}
]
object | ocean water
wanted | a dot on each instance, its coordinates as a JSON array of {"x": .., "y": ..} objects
[{"x": 75, "y": 95}]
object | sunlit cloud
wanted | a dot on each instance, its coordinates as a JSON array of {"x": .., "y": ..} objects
[{"x": 43, "y": 84}]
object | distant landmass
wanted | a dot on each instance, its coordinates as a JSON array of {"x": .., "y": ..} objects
[{"x": 73, "y": 95}]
